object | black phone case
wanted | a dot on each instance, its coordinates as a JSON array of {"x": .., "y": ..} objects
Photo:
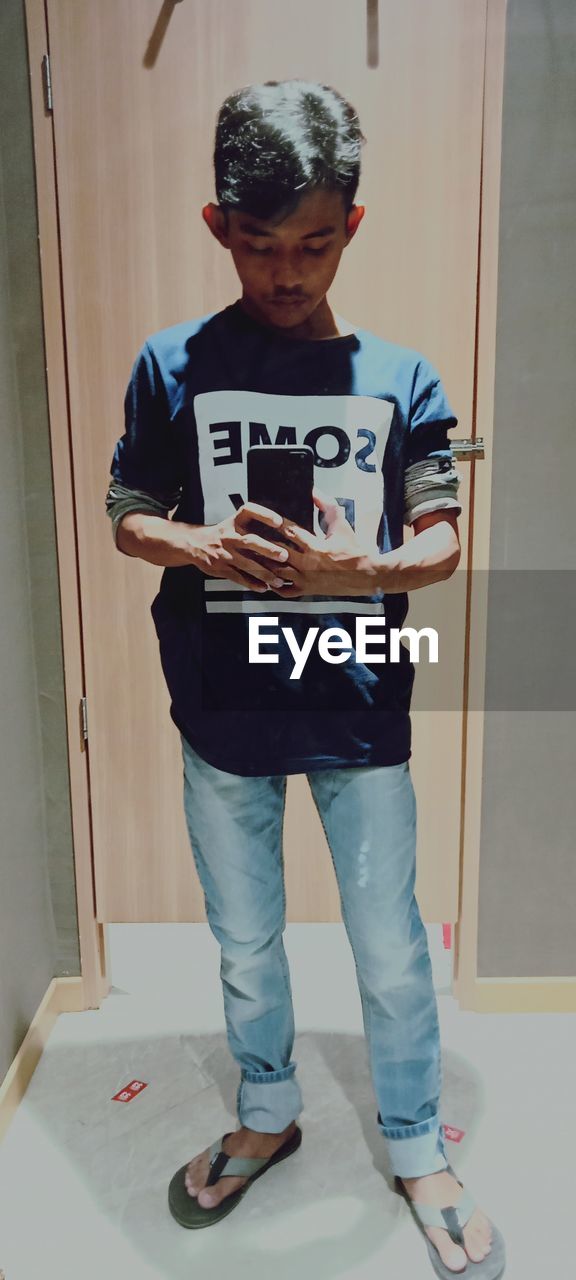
[{"x": 281, "y": 477}]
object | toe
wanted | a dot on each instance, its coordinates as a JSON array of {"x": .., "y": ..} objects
[
  {"x": 479, "y": 1250},
  {"x": 192, "y": 1178},
  {"x": 208, "y": 1197},
  {"x": 196, "y": 1174},
  {"x": 478, "y": 1239},
  {"x": 452, "y": 1255}
]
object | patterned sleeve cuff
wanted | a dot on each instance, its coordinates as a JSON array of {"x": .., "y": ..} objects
[
  {"x": 120, "y": 501},
  {"x": 430, "y": 485}
]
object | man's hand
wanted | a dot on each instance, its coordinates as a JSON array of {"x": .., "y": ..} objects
[
  {"x": 229, "y": 550},
  {"x": 334, "y": 565}
]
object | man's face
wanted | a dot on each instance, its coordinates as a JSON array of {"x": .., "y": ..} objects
[{"x": 286, "y": 268}]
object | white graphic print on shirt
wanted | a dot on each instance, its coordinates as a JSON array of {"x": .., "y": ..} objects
[{"x": 348, "y": 435}]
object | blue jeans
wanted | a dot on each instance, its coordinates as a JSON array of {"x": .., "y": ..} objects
[{"x": 369, "y": 817}]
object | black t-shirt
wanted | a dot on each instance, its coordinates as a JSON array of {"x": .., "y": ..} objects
[{"x": 203, "y": 391}]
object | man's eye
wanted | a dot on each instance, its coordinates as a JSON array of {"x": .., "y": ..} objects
[{"x": 261, "y": 249}]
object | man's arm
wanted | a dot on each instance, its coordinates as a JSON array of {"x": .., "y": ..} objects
[
  {"x": 432, "y": 555},
  {"x": 145, "y": 473},
  {"x": 229, "y": 549},
  {"x": 339, "y": 565},
  {"x": 431, "y": 483},
  {"x": 154, "y": 538}
]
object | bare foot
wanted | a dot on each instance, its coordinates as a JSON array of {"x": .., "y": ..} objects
[
  {"x": 441, "y": 1189},
  {"x": 244, "y": 1142}
]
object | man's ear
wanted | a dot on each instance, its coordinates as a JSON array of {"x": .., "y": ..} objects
[
  {"x": 353, "y": 220},
  {"x": 217, "y": 221}
]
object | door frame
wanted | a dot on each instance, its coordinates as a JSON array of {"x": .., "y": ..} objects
[{"x": 469, "y": 990}]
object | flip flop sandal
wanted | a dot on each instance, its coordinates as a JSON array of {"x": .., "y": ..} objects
[
  {"x": 453, "y": 1219},
  {"x": 185, "y": 1208}
]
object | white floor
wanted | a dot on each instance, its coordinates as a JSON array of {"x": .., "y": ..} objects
[{"x": 83, "y": 1179}]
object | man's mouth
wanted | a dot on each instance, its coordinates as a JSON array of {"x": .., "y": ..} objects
[{"x": 287, "y": 302}]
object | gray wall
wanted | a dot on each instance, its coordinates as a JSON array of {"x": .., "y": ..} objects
[
  {"x": 528, "y": 851},
  {"x": 38, "y": 926}
]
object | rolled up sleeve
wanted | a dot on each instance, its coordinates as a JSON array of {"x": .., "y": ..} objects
[
  {"x": 145, "y": 471},
  {"x": 120, "y": 501},
  {"x": 431, "y": 481}
]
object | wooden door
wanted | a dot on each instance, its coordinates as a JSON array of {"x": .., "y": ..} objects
[{"x": 136, "y": 88}]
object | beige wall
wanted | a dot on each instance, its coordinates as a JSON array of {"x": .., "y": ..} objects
[
  {"x": 528, "y": 850},
  {"x": 38, "y": 929}
]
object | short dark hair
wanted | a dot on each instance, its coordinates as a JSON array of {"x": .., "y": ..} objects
[{"x": 278, "y": 140}]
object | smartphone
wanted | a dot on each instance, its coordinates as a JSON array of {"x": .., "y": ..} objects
[{"x": 281, "y": 477}]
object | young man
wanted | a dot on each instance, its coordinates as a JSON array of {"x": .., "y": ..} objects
[{"x": 278, "y": 367}]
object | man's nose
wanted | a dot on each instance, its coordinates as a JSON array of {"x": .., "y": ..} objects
[{"x": 287, "y": 276}]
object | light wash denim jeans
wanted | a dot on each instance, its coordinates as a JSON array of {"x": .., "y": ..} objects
[{"x": 369, "y": 817}]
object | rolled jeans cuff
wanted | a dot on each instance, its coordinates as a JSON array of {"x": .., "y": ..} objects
[
  {"x": 415, "y": 1150},
  {"x": 268, "y": 1101}
]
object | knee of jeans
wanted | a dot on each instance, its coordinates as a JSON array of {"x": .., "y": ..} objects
[
  {"x": 241, "y": 925},
  {"x": 247, "y": 949},
  {"x": 391, "y": 967}
]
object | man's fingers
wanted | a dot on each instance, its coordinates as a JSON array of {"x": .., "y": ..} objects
[
  {"x": 253, "y": 511},
  {"x": 333, "y": 519},
  {"x": 244, "y": 579},
  {"x": 264, "y": 573},
  {"x": 334, "y": 516},
  {"x": 234, "y": 575},
  {"x": 299, "y": 536},
  {"x": 321, "y": 499},
  {"x": 253, "y": 542},
  {"x": 288, "y": 592},
  {"x": 326, "y": 504},
  {"x": 251, "y": 584}
]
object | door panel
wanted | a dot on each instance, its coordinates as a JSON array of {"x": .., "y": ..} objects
[{"x": 135, "y": 104}]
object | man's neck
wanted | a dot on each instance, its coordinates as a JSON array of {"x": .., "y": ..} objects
[{"x": 321, "y": 324}]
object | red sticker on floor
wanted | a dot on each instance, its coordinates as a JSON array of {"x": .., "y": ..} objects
[
  {"x": 447, "y": 936},
  {"x": 131, "y": 1091},
  {"x": 453, "y": 1135}
]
